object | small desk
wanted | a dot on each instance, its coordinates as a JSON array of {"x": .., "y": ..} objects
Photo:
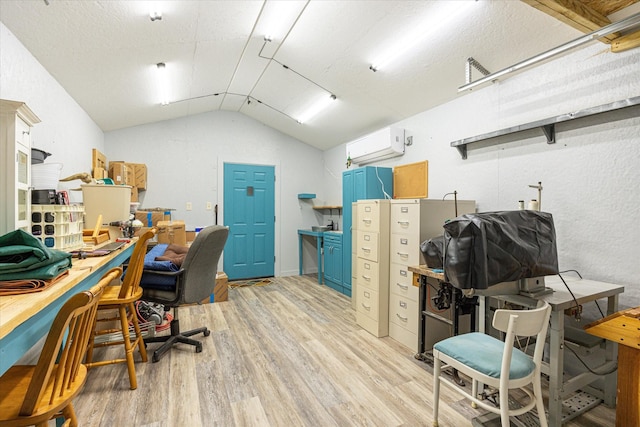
[
  {"x": 25, "y": 319},
  {"x": 318, "y": 235}
]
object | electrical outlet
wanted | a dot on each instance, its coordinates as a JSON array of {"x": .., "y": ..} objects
[
  {"x": 209, "y": 206},
  {"x": 189, "y": 206}
]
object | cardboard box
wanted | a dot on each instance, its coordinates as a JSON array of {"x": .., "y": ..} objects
[
  {"x": 140, "y": 173},
  {"x": 172, "y": 232},
  {"x": 134, "y": 194},
  {"x": 120, "y": 173},
  {"x": 100, "y": 173},
  {"x": 220, "y": 291},
  {"x": 151, "y": 217},
  {"x": 98, "y": 160},
  {"x": 411, "y": 181}
]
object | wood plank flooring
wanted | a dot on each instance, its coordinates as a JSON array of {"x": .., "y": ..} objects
[{"x": 285, "y": 354}]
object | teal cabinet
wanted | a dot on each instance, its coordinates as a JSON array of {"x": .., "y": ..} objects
[
  {"x": 368, "y": 182},
  {"x": 333, "y": 260}
]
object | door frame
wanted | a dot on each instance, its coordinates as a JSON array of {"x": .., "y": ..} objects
[{"x": 277, "y": 232}]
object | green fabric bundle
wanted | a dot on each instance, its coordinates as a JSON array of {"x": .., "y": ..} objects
[{"x": 23, "y": 256}]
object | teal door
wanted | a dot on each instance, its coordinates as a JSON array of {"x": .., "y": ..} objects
[{"x": 250, "y": 215}]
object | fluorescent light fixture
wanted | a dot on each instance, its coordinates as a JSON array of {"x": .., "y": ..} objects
[
  {"x": 445, "y": 14},
  {"x": 162, "y": 83},
  {"x": 278, "y": 17},
  {"x": 316, "y": 108}
]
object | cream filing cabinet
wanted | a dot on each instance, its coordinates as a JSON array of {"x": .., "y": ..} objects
[
  {"x": 372, "y": 266},
  {"x": 413, "y": 221}
]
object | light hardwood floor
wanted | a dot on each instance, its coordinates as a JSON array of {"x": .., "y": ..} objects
[{"x": 285, "y": 354}]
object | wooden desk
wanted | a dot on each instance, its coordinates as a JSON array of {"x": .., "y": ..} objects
[{"x": 25, "y": 319}]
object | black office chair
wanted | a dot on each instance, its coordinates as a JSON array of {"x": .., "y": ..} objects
[{"x": 194, "y": 282}]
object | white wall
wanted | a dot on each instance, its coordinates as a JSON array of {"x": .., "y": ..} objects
[
  {"x": 65, "y": 131},
  {"x": 185, "y": 160},
  {"x": 590, "y": 176}
]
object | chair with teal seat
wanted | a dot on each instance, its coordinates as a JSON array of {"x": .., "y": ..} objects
[{"x": 498, "y": 364}]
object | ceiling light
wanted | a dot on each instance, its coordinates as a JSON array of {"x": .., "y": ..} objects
[
  {"x": 316, "y": 108},
  {"x": 446, "y": 13},
  {"x": 163, "y": 83}
]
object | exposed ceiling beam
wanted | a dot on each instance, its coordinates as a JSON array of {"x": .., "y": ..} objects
[
  {"x": 588, "y": 17},
  {"x": 626, "y": 42},
  {"x": 575, "y": 14}
]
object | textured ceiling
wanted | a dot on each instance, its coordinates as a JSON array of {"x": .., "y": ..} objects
[{"x": 104, "y": 54}]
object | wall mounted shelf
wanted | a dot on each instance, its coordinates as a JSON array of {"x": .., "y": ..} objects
[
  {"x": 546, "y": 125},
  {"x": 321, "y": 208},
  {"x": 306, "y": 196}
]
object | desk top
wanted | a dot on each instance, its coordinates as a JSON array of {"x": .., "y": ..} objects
[
  {"x": 16, "y": 309},
  {"x": 560, "y": 299},
  {"x": 426, "y": 271},
  {"x": 584, "y": 291}
]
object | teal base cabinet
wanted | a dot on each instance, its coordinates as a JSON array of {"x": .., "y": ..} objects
[
  {"x": 333, "y": 261},
  {"x": 368, "y": 182}
]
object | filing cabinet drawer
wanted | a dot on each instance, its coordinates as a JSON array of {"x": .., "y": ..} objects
[
  {"x": 405, "y": 249},
  {"x": 368, "y": 245},
  {"x": 368, "y": 273},
  {"x": 377, "y": 328},
  {"x": 405, "y": 218},
  {"x": 368, "y": 214},
  {"x": 401, "y": 282},
  {"x": 404, "y": 312},
  {"x": 367, "y": 302}
]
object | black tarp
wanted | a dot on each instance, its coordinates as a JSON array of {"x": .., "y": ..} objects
[{"x": 485, "y": 249}]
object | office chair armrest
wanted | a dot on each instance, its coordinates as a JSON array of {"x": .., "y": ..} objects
[{"x": 164, "y": 273}]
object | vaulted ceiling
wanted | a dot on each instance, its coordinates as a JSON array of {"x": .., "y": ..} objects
[{"x": 104, "y": 53}]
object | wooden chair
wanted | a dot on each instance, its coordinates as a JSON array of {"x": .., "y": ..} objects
[
  {"x": 498, "y": 364},
  {"x": 119, "y": 302},
  {"x": 35, "y": 394}
]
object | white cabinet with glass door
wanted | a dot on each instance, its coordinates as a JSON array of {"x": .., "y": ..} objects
[{"x": 16, "y": 120}]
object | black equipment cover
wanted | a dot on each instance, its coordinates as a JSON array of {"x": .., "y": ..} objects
[
  {"x": 485, "y": 249},
  {"x": 433, "y": 251}
]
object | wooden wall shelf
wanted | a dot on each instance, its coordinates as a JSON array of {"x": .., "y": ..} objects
[
  {"x": 546, "y": 125},
  {"x": 321, "y": 208}
]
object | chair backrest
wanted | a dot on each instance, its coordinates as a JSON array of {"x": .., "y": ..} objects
[
  {"x": 65, "y": 347},
  {"x": 522, "y": 323},
  {"x": 131, "y": 281},
  {"x": 201, "y": 263}
]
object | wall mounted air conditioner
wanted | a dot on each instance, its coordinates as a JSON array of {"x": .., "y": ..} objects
[{"x": 379, "y": 145}]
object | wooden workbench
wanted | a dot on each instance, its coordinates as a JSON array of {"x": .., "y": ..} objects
[{"x": 25, "y": 319}]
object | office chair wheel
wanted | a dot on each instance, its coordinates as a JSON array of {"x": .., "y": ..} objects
[
  {"x": 206, "y": 333},
  {"x": 199, "y": 348}
]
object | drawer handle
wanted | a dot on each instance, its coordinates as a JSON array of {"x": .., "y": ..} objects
[
  {"x": 367, "y": 278},
  {"x": 366, "y": 294},
  {"x": 367, "y": 250},
  {"x": 403, "y": 222},
  {"x": 366, "y": 307},
  {"x": 404, "y": 319},
  {"x": 403, "y": 273},
  {"x": 403, "y": 254},
  {"x": 368, "y": 221},
  {"x": 403, "y": 287}
]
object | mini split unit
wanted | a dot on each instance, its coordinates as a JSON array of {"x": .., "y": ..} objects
[{"x": 379, "y": 145}]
